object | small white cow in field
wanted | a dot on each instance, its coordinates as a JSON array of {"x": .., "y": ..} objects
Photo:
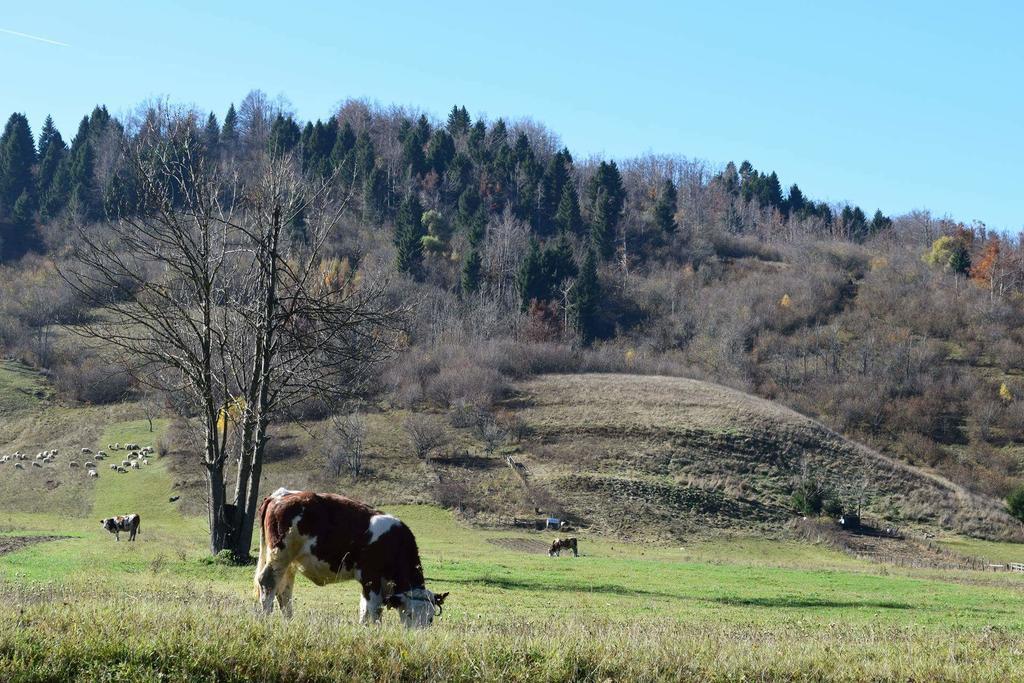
[
  {"x": 37, "y": 464},
  {"x": 126, "y": 463},
  {"x": 86, "y": 451},
  {"x": 72, "y": 464},
  {"x": 90, "y": 465},
  {"x": 121, "y": 470},
  {"x": 99, "y": 453},
  {"x": 145, "y": 461},
  {"x": 135, "y": 464},
  {"x": 19, "y": 466},
  {"x": 113, "y": 466},
  {"x": 94, "y": 474}
]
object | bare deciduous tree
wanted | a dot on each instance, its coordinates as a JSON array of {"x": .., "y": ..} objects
[
  {"x": 425, "y": 434},
  {"x": 202, "y": 294},
  {"x": 347, "y": 444}
]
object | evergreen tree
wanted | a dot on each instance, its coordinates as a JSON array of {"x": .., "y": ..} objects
[
  {"x": 607, "y": 196},
  {"x": 365, "y": 156},
  {"x": 211, "y": 133},
  {"x": 499, "y": 135},
  {"x": 440, "y": 151},
  {"x": 46, "y": 135},
  {"x": 56, "y": 152},
  {"x": 552, "y": 184},
  {"x": 343, "y": 153},
  {"x": 375, "y": 191},
  {"x": 58, "y": 193},
  {"x": 558, "y": 263},
  {"x": 423, "y": 129},
  {"x": 960, "y": 258},
  {"x": 413, "y": 159},
  {"x": 22, "y": 235},
  {"x": 229, "y": 132},
  {"x": 771, "y": 191},
  {"x": 477, "y": 226},
  {"x": 665, "y": 208},
  {"x": 477, "y": 142},
  {"x": 471, "y": 267},
  {"x": 586, "y": 297},
  {"x": 284, "y": 135},
  {"x": 568, "y": 219},
  {"x": 17, "y": 154},
  {"x": 530, "y": 281},
  {"x": 880, "y": 222},
  {"x": 408, "y": 233},
  {"x": 795, "y": 202},
  {"x": 458, "y": 121},
  {"x": 82, "y": 169},
  {"x": 602, "y": 227}
]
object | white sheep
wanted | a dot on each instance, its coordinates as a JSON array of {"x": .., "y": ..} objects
[{"x": 93, "y": 474}]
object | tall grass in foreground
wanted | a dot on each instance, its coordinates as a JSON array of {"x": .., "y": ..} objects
[{"x": 48, "y": 635}]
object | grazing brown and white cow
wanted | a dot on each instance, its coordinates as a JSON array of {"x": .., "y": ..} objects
[
  {"x": 116, "y": 525},
  {"x": 560, "y": 544},
  {"x": 330, "y": 538}
]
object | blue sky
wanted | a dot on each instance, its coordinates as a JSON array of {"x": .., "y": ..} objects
[{"x": 898, "y": 105}]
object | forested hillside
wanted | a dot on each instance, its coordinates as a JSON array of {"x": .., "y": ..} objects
[{"x": 515, "y": 258}]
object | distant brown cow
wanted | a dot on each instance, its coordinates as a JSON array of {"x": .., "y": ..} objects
[
  {"x": 331, "y": 538},
  {"x": 560, "y": 544}
]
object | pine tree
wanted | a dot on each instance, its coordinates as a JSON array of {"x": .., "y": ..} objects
[
  {"x": 552, "y": 184},
  {"x": 211, "y": 133},
  {"x": 607, "y": 197},
  {"x": 960, "y": 258},
  {"x": 477, "y": 226},
  {"x": 795, "y": 203},
  {"x": 17, "y": 154},
  {"x": 56, "y": 152},
  {"x": 665, "y": 208},
  {"x": 58, "y": 192},
  {"x": 408, "y": 233},
  {"x": 458, "y": 121},
  {"x": 602, "y": 227},
  {"x": 471, "y": 267},
  {"x": 530, "y": 280},
  {"x": 229, "y": 132},
  {"x": 413, "y": 159},
  {"x": 440, "y": 151},
  {"x": 568, "y": 219},
  {"x": 46, "y": 135},
  {"x": 477, "y": 142},
  {"x": 284, "y": 135},
  {"x": 880, "y": 222},
  {"x": 558, "y": 263},
  {"x": 586, "y": 296},
  {"x": 375, "y": 195}
]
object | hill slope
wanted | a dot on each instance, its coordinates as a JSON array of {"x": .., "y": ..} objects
[{"x": 633, "y": 453}]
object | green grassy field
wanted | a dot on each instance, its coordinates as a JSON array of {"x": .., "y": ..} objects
[{"x": 728, "y": 607}]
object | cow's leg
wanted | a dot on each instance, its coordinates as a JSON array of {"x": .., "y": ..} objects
[
  {"x": 117, "y": 535},
  {"x": 370, "y": 606},
  {"x": 284, "y": 592}
]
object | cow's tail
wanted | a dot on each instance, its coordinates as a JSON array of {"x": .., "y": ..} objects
[{"x": 261, "y": 514}]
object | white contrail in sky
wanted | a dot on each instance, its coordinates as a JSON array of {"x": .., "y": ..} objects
[{"x": 32, "y": 37}]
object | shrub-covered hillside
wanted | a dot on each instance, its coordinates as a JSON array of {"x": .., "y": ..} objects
[{"x": 514, "y": 258}]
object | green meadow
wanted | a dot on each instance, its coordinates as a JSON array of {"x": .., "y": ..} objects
[{"x": 733, "y": 608}]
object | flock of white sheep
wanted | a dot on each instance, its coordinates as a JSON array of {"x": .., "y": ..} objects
[{"x": 137, "y": 458}]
